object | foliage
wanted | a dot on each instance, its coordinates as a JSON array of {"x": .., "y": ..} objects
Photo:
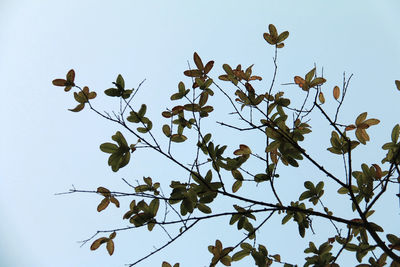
[{"x": 284, "y": 127}]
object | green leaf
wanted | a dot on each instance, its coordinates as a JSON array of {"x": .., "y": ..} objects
[
  {"x": 142, "y": 130},
  {"x": 343, "y": 190},
  {"x": 178, "y": 138},
  {"x": 397, "y": 82},
  {"x": 236, "y": 186},
  {"x": 166, "y": 130},
  {"x": 120, "y": 81},
  {"x": 78, "y": 108},
  {"x": 204, "y": 208},
  {"x": 240, "y": 255},
  {"x": 153, "y": 207},
  {"x": 112, "y": 92},
  {"x": 108, "y": 147},
  {"x": 142, "y": 111},
  {"x": 395, "y": 133},
  {"x": 310, "y": 75}
]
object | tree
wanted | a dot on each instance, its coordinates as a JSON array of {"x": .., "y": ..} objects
[{"x": 214, "y": 173}]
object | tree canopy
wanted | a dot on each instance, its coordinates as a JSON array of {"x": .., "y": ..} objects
[{"x": 220, "y": 179}]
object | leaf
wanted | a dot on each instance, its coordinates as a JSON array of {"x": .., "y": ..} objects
[
  {"x": 336, "y": 92},
  {"x": 112, "y": 92},
  {"x": 192, "y": 73},
  {"x": 97, "y": 243},
  {"x": 397, "y": 82},
  {"x": 240, "y": 255},
  {"x": 236, "y": 186},
  {"x": 361, "y": 118},
  {"x": 178, "y": 138},
  {"x": 71, "y": 76},
  {"x": 310, "y": 75},
  {"x": 282, "y": 37},
  {"x": 208, "y": 66},
  {"x": 317, "y": 81},
  {"x": 273, "y": 31},
  {"x": 204, "y": 208},
  {"x": 112, "y": 235},
  {"x": 343, "y": 190},
  {"x": 395, "y": 133},
  {"x": 243, "y": 150},
  {"x": 321, "y": 97},
  {"x": 203, "y": 99},
  {"x": 165, "y": 264},
  {"x": 108, "y": 147},
  {"x": 227, "y": 69},
  {"x": 300, "y": 82},
  {"x": 153, "y": 207},
  {"x": 78, "y": 108},
  {"x": 197, "y": 61},
  {"x": 371, "y": 122},
  {"x": 104, "y": 191},
  {"x": 59, "y": 82},
  {"x": 166, "y": 130},
  {"x": 103, "y": 204},
  {"x": 120, "y": 81},
  {"x": 114, "y": 201},
  {"x": 268, "y": 38},
  {"x": 110, "y": 247},
  {"x": 350, "y": 127}
]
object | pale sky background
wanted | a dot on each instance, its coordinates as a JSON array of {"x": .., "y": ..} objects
[{"x": 45, "y": 148}]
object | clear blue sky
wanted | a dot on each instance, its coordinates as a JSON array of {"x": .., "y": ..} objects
[{"x": 45, "y": 148}]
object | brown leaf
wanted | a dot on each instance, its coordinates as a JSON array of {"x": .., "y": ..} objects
[
  {"x": 115, "y": 201},
  {"x": 77, "y": 108},
  {"x": 112, "y": 235},
  {"x": 299, "y": 81},
  {"x": 255, "y": 77},
  {"x": 208, "y": 66},
  {"x": 336, "y": 92},
  {"x": 397, "y": 82},
  {"x": 321, "y": 98},
  {"x": 96, "y": 244},
  {"x": 71, "y": 76},
  {"x": 59, "y": 82},
  {"x": 103, "y": 204},
  {"x": 197, "y": 61},
  {"x": 110, "y": 247},
  {"x": 378, "y": 171},
  {"x": 104, "y": 191},
  {"x": 350, "y": 127}
]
